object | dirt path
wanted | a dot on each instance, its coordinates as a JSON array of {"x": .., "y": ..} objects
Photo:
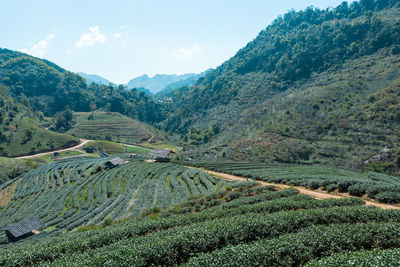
[
  {"x": 312, "y": 193},
  {"x": 136, "y": 146},
  {"x": 82, "y": 142}
]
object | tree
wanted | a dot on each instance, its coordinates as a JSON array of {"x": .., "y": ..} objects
[
  {"x": 92, "y": 107},
  {"x": 63, "y": 120},
  {"x": 108, "y": 108}
]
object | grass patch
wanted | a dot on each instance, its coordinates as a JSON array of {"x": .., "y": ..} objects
[{"x": 28, "y": 138}]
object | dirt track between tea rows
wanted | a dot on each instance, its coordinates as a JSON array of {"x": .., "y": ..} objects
[{"x": 312, "y": 193}]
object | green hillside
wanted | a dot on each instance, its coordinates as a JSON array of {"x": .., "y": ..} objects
[
  {"x": 309, "y": 88},
  {"x": 50, "y": 89},
  {"x": 32, "y": 88},
  {"x": 112, "y": 127},
  {"x": 21, "y": 131},
  {"x": 276, "y": 227},
  {"x": 340, "y": 117}
]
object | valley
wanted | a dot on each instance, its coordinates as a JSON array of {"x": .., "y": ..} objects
[{"x": 285, "y": 154}]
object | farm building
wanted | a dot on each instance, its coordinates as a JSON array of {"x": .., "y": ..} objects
[
  {"x": 161, "y": 155},
  {"x": 22, "y": 229},
  {"x": 114, "y": 162}
]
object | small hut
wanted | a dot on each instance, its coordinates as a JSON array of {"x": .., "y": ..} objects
[
  {"x": 114, "y": 163},
  {"x": 161, "y": 155},
  {"x": 23, "y": 229}
]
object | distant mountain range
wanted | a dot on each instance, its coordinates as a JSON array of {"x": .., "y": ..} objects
[
  {"x": 94, "y": 78},
  {"x": 169, "y": 89},
  {"x": 159, "y": 82},
  {"x": 161, "y": 85}
]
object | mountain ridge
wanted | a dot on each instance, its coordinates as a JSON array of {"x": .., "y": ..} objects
[
  {"x": 158, "y": 82},
  {"x": 94, "y": 78}
]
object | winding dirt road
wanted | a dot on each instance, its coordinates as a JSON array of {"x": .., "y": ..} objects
[
  {"x": 312, "y": 193},
  {"x": 82, "y": 142}
]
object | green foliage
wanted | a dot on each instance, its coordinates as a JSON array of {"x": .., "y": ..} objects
[
  {"x": 302, "y": 91},
  {"x": 293, "y": 47},
  {"x": 383, "y": 188},
  {"x": 63, "y": 120},
  {"x": 49, "y": 88},
  {"x": 185, "y": 238},
  {"x": 274, "y": 227},
  {"x": 198, "y": 137},
  {"x": 374, "y": 257},
  {"x": 299, "y": 248}
]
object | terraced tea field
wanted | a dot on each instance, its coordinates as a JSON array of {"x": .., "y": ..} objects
[
  {"x": 165, "y": 214},
  {"x": 70, "y": 193},
  {"x": 380, "y": 187},
  {"x": 114, "y": 126},
  {"x": 242, "y": 225}
]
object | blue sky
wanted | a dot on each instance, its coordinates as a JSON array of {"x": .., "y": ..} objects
[{"x": 121, "y": 39}]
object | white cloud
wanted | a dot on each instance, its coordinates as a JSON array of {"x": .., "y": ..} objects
[
  {"x": 123, "y": 27},
  {"x": 40, "y": 48},
  {"x": 91, "y": 38},
  {"x": 123, "y": 42},
  {"x": 117, "y": 35},
  {"x": 186, "y": 53}
]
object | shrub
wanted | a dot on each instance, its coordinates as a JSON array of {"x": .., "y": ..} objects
[{"x": 388, "y": 197}]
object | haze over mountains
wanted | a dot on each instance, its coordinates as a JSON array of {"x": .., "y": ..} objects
[
  {"x": 159, "y": 82},
  {"x": 94, "y": 78}
]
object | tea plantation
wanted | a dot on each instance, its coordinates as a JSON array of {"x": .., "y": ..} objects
[
  {"x": 70, "y": 193},
  {"x": 166, "y": 214},
  {"x": 377, "y": 186},
  {"x": 241, "y": 225}
]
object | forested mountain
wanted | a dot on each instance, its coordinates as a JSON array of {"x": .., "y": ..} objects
[
  {"x": 306, "y": 89},
  {"x": 21, "y": 131},
  {"x": 50, "y": 89},
  {"x": 32, "y": 89},
  {"x": 158, "y": 82},
  {"x": 94, "y": 78}
]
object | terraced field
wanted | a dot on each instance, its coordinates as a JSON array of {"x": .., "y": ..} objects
[
  {"x": 70, "y": 193},
  {"x": 242, "y": 225},
  {"x": 167, "y": 215},
  {"x": 371, "y": 185},
  {"x": 114, "y": 126}
]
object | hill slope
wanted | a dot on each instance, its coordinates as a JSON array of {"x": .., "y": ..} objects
[
  {"x": 50, "y": 89},
  {"x": 113, "y": 126},
  {"x": 298, "y": 92},
  {"x": 21, "y": 132}
]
